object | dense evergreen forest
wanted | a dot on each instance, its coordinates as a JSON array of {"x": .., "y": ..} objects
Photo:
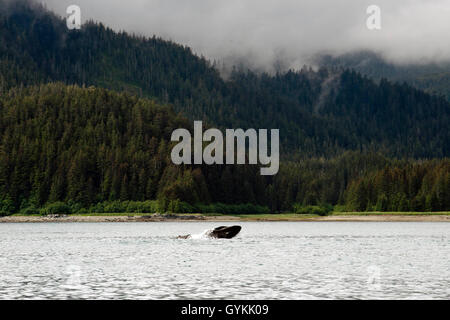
[
  {"x": 430, "y": 77},
  {"x": 319, "y": 113},
  {"x": 86, "y": 118},
  {"x": 86, "y": 146}
]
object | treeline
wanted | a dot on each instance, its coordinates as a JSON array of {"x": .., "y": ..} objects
[
  {"x": 319, "y": 113},
  {"x": 150, "y": 206},
  {"x": 86, "y": 145},
  {"x": 71, "y": 146},
  {"x": 403, "y": 187},
  {"x": 364, "y": 182},
  {"x": 431, "y": 77},
  {"x": 91, "y": 147}
]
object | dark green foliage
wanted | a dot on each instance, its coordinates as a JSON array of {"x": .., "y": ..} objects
[
  {"x": 431, "y": 77},
  {"x": 402, "y": 186},
  {"x": 125, "y": 207},
  {"x": 56, "y": 208},
  {"x": 31, "y": 210},
  {"x": 109, "y": 152},
  {"x": 322, "y": 210},
  {"x": 318, "y": 113},
  {"x": 150, "y": 207},
  {"x": 233, "y": 209},
  {"x": 80, "y": 148},
  {"x": 6, "y": 207},
  {"x": 63, "y": 143}
]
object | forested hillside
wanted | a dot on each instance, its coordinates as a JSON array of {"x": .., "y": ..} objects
[
  {"x": 87, "y": 146},
  {"x": 86, "y": 118},
  {"x": 318, "y": 113},
  {"x": 430, "y": 77}
]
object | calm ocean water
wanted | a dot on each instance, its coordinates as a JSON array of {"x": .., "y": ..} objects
[{"x": 268, "y": 260}]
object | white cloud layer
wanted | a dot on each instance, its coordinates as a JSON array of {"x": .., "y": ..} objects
[{"x": 265, "y": 32}]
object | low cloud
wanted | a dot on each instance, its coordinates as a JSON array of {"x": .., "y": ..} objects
[{"x": 283, "y": 33}]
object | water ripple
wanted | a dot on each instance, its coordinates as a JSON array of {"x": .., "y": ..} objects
[{"x": 266, "y": 261}]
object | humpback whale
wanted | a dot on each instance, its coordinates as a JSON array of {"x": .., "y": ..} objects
[{"x": 219, "y": 233}]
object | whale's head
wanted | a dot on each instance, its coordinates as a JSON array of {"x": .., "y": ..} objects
[
  {"x": 225, "y": 232},
  {"x": 218, "y": 233}
]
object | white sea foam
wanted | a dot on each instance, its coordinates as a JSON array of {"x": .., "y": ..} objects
[
  {"x": 203, "y": 235},
  {"x": 315, "y": 260}
]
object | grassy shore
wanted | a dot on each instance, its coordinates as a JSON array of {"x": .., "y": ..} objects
[
  {"x": 391, "y": 213},
  {"x": 136, "y": 217},
  {"x": 352, "y": 216}
]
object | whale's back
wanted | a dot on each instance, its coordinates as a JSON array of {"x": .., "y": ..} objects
[{"x": 226, "y": 232}]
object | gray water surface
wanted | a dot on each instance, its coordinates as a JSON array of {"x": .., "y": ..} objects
[{"x": 268, "y": 260}]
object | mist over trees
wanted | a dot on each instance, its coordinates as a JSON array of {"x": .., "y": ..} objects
[
  {"x": 431, "y": 77},
  {"x": 86, "y": 118}
]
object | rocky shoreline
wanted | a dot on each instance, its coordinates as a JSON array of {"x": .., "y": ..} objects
[{"x": 190, "y": 218}]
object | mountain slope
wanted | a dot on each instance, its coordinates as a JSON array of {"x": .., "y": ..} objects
[
  {"x": 97, "y": 150},
  {"x": 101, "y": 151},
  {"x": 318, "y": 113},
  {"x": 433, "y": 78}
]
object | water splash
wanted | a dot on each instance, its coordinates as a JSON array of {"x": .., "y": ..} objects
[{"x": 201, "y": 236}]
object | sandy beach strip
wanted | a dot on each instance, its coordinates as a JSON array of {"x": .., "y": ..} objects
[{"x": 190, "y": 218}]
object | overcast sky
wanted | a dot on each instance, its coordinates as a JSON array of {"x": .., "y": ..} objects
[{"x": 264, "y": 31}]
